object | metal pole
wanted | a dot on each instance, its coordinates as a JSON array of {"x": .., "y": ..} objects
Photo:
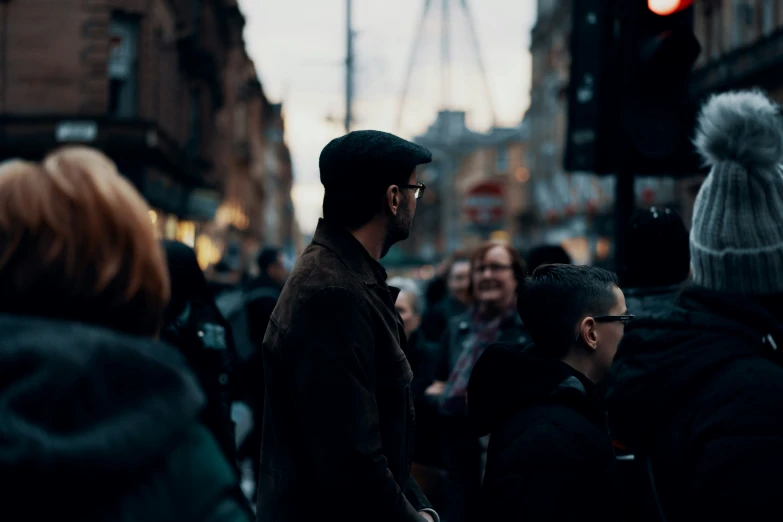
[
  {"x": 349, "y": 64},
  {"x": 480, "y": 60},
  {"x": 445, "y": 51},
  {"x": 624, "y": 206},
  {"x": 625, "y": 193}
]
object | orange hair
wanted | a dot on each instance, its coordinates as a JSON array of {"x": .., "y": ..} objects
[{"x": 76, "y": 243}]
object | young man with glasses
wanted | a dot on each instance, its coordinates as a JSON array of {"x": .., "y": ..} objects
[
  {"x": 338, "y": 416},
  {"x": 550, "y": 456}
]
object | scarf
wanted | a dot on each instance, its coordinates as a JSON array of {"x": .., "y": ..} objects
[{"x": 483, "y": 332}]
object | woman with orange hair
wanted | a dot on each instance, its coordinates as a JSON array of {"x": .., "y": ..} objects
[{"x": 100, "y": 421}]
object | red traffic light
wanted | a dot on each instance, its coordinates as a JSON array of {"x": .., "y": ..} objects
[{"x": 667, "y": 7}]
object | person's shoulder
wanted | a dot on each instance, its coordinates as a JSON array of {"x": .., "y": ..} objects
[
  {"x": 320, "y": 270},
  {"x": 745, "y": 386},
  {"x": 548, "y": 434}
]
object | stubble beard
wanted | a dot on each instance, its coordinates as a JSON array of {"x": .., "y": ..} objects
[{"x": 399, "y": 228}]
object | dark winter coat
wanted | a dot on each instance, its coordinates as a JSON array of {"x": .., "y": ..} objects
[
  {"x": 194, "y": 325},
  {"x": 550, "y": 457},
  {"x": 453, "y": 342},
  {"x": 260, "y": 298},
  {"x": 436, "y": 319},
  {"x": 700, "y": 393},
  {"x": 98, "y": 425},
  {"x": 339, "y": 416},
  {"x": 651, "y": 302},
  {"x": 423, "y": 357}
]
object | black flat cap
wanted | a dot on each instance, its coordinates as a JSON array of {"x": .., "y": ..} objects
[{"x": 363, "y": 159}]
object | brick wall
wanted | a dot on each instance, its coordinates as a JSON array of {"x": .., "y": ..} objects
[{"x": 56, "y": 56}]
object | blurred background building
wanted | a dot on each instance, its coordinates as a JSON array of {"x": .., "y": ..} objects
[
  {"x": 166, "y": 89},
  {"x": 510, "y": 184}
]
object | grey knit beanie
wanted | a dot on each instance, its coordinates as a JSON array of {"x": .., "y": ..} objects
[{"x": 737, "y": 235}]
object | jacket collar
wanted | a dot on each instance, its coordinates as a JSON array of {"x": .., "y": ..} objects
[
  {"x": 350, "y": 251},
  {"x": 645, "y": 291},
  {"x": 734, "y": 310}
]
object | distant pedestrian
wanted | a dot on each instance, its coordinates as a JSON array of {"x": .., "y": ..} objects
[
  {"x": 99, "y": 420},
  {"x": 224, "y": 279},
  {"x": 456, "y": 302},
  {"x": 496, "y": 271},
  {"x": 250, "y": 321},
  {"x": 550, "y": 456},
  {"x": 338, "y": 416},
  {"x": 697, "y": 396},
  {"x": 193, "y": 324},
  {"x": 657, "y": 261},
  {"x": 547, "y": 255}
]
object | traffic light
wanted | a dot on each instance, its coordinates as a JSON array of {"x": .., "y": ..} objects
[
  {"x": 667, "y": 7},
  {"x": 639, "y": 58},
  {"x": 658, "y": 112}
]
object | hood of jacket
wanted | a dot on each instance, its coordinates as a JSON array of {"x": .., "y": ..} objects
[
  {"x": 662, "y": 360},
  {"x": 507, "y": 378},
  {"x": 85, "y": 409}
]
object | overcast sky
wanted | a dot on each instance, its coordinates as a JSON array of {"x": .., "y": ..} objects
[{"x": 299, "y": 50}]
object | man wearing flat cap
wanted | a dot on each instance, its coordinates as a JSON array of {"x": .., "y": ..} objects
[{"x": 338, "y": 418}]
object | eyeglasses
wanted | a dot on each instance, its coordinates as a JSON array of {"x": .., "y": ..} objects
[
  {"x": 493, "y": 268},
  {"x": 625, "y": 319},
  {"x": 418, "y": 188}
]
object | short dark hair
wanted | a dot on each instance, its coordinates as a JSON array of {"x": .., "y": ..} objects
[
  {"x": 518, "y": 266},
  {"x": 352, "y": 208},
  {"x": 458, "y": 256},
  {"x": 547, "y": 255},
  {"x": 657, "y": 249},
  {"x": 556, "y": 297},
  {"x": 267, "y": 257}
]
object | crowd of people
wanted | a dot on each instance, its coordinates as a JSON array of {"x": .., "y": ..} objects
[{"x": 509, "y": 387}]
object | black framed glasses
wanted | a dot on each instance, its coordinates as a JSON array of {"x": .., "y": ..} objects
[
  {"x": 625, "y": 319},
  {"x": 418, "y": 189}
]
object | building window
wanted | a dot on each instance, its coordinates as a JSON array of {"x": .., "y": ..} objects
[
  {"x": 240, "y": 122},
  {"x": 716, "y": 30},
  {"x": 195, "y": 122},
  {"x": 744, "y": 22},
  {"x": 770, "y": 16},
  {"x": 501, "y": 160},
  {"x": 123, "y": 70}
]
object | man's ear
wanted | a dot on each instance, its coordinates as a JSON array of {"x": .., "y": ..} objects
[
  {"x": 589, "y": 333},
  {"x": 393, "y": 199}
]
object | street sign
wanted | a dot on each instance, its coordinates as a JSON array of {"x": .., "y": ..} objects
[
  {"x": 484, "y": 203},
  {"x": 76, "y": 131}
]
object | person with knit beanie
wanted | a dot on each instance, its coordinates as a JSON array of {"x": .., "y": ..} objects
[{"x": 696, "y": 395}]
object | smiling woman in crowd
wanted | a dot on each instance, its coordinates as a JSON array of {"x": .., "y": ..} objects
[{"x": 495, "y": 270}]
